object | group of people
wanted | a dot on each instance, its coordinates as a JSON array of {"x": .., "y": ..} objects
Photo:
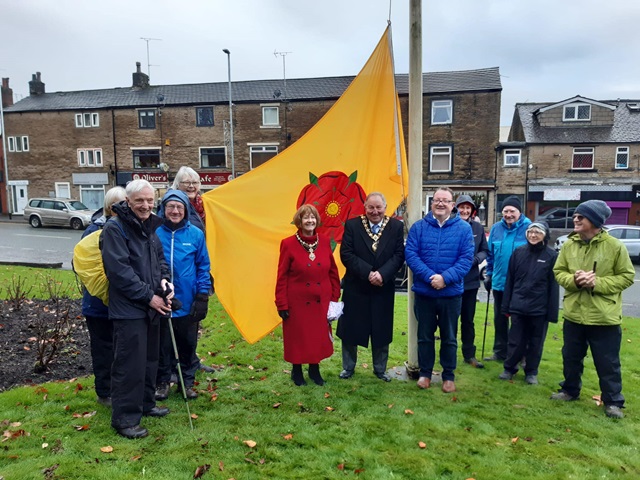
[
  {"x": 159, "y": 285},
  {"x": 444, "y": 251}
]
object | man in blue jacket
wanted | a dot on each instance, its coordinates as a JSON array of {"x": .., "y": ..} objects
[
  {"x": 439, "y": 251},
  {"x": 186, "y": 252}
]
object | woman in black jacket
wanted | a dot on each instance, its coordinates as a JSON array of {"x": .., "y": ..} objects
[{"x": 531, "y": 298}]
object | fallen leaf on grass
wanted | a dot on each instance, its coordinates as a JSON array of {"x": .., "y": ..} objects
[
  {"x": 201, "y": 470},
  {"x": 214, "y": 397},
  {"x": 84, "y": 415},
  {"x": 276, "y": 405},
  {"x": 7, "y": 434},
  {"x": 390, "y": 405},
  {"x": 515, "y": 439},
  {"x": 194, "y": 416},
  {"x": 422, "y": 445},
  {"x": 553, "y": 440},
  {"x": 45, "y": 445},
  {"x": 341, "y": 466},
  {"x": 78, "y": 388},
  {"x": 327, "y": 395},
  {"x": 250, "y": 443},
  {"x": 221, "y": 466},
  {"x": 136, "y": 458},
  {"x": 288, "y": 436},
  {"x": 15, "y": 424},
  {"x": 73, "y": 380},
  {"x": 408, "y": 412},
  {"x": 358, "y": 471},
  {"x": 107, "y": 449},
  {"x": 81, "y": 427},
  {"x": 454, "y": 399},
  {"x": 329, "y": 409},
  {"x": 597, "y": 399}
]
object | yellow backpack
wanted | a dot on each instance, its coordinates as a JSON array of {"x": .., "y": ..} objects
[{"x": 87, "y": 263}]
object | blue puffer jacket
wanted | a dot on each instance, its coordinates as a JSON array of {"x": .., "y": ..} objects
[
  {"x": 93, "y": 306},
  {"x": 446, "y": 250},
  {"x": 502, "y": 242},
  {"x": 185, "y": 251}
]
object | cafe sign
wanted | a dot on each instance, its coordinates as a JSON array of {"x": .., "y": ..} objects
[{"x": 217, "y": 178}]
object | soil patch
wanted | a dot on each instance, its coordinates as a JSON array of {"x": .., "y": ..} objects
[{"x": 19, "y": 344}]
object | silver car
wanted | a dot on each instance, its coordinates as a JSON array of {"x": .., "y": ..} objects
[
  {"x": 627, "y": 234},
  {"x": 61, "y": 212}
]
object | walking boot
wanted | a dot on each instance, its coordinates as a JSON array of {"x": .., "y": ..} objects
[
  {"x": 296, "y": 375},
  {"x": 314, "y": 374}
]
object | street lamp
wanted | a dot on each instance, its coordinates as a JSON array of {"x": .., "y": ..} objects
[{"x": 233, "y": 162}]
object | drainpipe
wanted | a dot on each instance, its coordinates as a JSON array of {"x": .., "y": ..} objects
[
  {"x": 115, "y": 156},
  {"x": 6, "y": 169}
]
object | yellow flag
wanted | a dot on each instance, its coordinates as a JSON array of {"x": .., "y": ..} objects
[{"x": 355, "y": 149}]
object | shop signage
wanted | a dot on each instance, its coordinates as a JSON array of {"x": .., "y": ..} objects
[
  {"x": 217, "y": 178},
  {"x": 564, "y": 194},
  {"x": 160, "y": 177}
]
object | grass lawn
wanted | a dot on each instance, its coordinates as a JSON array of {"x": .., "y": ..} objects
[{"x": 358, "y": 428}]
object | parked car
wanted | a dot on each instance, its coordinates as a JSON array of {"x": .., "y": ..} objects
[
  {"x": 61, "y": 212},
  {"x": 629, "y": 235},
  {"x": 558, "y": 217}
]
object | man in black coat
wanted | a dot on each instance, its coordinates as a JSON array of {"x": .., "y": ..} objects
[
  {"x": 372, "y": 251},
  {"x": 138, "y": 275}
]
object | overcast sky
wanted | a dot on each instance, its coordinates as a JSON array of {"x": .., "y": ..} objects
[{"x": 547, "y": 50}]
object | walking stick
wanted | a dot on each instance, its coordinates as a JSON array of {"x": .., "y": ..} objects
[
  {"x": 175, "y": 352},
  {"x": 486, "y": 318}
]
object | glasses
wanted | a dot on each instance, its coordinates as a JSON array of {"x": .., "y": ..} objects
[
  {"x": 179, "y": 208},
  {"x": 189, "y": 184},
  {"x": 441, "y": 202},
  {"x": 578, "y": 217},
  {"x": 534, "y": 232}
]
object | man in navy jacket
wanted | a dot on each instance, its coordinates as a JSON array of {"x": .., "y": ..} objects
[{"x": 439, "y": 251}]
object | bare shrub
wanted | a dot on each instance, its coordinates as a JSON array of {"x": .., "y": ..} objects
[{"x": 17, "y": 291}]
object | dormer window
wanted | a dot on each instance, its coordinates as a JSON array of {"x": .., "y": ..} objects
[{"x": 577, "y": 112}]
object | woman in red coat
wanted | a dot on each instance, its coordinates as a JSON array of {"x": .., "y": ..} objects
[{"x": 307, "y": 281}]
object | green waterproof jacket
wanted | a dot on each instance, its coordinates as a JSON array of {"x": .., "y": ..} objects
[{"x": 614, "y": 273}]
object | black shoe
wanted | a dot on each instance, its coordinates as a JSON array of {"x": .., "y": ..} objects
[
  {"x": 296, "y": 375},
  {"x": 105, "y": 401},
  {"x": 345, "y": 374},
  {"x": 506, "y": 375},
  {"x": 156, "y": 412},
  {"x": 383, "y": 376},
  {"x": 314, "y": 374},
  {"x": 190, "y": 393},
  {"x": 206, "y": 368},
  {"x": 162, "y": 391},
  {"x": 494, "y": 358},
  {"x": 474, "y": 362},
  {"x": 133, "y": 432}
]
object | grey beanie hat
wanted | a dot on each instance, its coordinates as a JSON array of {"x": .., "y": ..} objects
[
  {"x": 466, "y": 199},
  {"x": 512, "y": 201},
  {"x": 595, "y": 210}
]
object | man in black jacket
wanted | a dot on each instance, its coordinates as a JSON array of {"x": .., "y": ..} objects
[{"x": 139, "y": 295}]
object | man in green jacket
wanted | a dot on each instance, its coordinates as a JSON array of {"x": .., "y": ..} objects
[{"x": 594, "y": 268}]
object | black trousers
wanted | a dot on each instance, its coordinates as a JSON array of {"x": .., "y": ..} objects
[
  {"x": 501, "y": 324},
  {"x": 604, "y": 342},
  {"x": 467, "y": 327},
  {"x": 101, "y": 337},
  {"x": 380, "y": 357},
  {"x": 134, "y": 369},
  {"x": 526, "y": 339},
  {"x": 186, "y": 333}
]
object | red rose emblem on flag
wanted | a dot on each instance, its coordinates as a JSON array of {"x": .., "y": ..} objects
[{"x": 337, "y": 198}]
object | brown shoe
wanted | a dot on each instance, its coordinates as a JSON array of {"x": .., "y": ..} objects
[
  {"x": 424, "y": 382},
  {"x": 448, "y": 386}
]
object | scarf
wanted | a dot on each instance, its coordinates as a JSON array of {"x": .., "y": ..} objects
[{"x": 198, "y": 204}]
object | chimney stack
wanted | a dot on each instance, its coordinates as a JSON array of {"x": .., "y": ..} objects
[
  {"x": 7, "y": 94},
  {"x": 140, "y": 80},
  {"x": 36, "y": 86}
]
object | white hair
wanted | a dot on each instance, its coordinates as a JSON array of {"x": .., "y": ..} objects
[
  {"x": 113, "y": 195},
  {"x": 185, "y": 174},
  {"x": 137, "y": 185}
]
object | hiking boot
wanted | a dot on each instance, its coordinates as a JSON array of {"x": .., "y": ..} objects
[
  {"x": 493, "y": 358},
  {"x": 563, "y": 396},
  {"x": 506, "y": 375},
  {"x": 162, "y": 391},
  {"x": 613, "y": 411},
  {"x": 473, "y": 361},
  {"x": 531, "y": 379}
]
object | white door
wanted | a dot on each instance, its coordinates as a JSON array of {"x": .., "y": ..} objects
[{"x": 19, "y": 197}]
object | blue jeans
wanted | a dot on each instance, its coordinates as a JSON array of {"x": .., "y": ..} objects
[{"x": 439, "y": 313}]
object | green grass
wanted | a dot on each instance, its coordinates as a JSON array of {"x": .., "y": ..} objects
[{"x": 489, "y": 429}]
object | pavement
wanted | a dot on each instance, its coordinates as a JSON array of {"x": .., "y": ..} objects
[{"x": 4, "y": 218}]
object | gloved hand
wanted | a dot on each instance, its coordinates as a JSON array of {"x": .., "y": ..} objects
[
  {"x": 284, "y": 314},
  {"x": 487, "y": 282},
  {"x": 199, "y": 307}
]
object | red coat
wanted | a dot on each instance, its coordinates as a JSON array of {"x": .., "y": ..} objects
[{"x": 305, "y": 287}]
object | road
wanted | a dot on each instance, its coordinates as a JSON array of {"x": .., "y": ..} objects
[{"x": 21, "y": 243}]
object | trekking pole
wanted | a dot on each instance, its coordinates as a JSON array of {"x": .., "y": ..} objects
[
  {"x": 175, "y": 352},
  {"x": 486, "y": 319}
]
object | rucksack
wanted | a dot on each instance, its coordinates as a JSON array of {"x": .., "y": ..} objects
[{"x": 87, "y": 263}]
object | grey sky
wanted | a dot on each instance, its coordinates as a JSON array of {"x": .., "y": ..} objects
[{"x": 547, "y": 50}]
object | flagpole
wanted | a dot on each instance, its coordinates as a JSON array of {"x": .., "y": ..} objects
[{"x": 414, "y": 199}]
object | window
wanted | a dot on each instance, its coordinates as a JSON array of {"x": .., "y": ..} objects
[
  {"x": 90, "y": 157},
  {"x": 577, "y": 112},
  {"x": 622, "y": 157},
  {"x": 441, "y": 112},
  {"x": 582, "y": 158},
  {"x": 149, "y": 158},
  {"x": 213, "y": 157},
  {"x": 18, "y": 144},
  {"x": 512, "y": 158},
  {"x": 88, "y": 119},
  {"x": 259, "y": 154},
  {"x": 270, "y": 116},
  {"x": 146, "y": 118},
  {"x": 204, "y": 116},
  {"x": 63, "y": 189},
  {"x": 440, "y": 159}
]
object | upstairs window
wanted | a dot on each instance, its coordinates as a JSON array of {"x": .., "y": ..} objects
[
  {"x": 18, "y": 144},
  {"x": 441, "y": 112},
  {"x": 204, "y": 116},
  {"x": 622, "y": 157},
  {"x": 270, "y": 116},
  {"x": 259, "y": 154},
  {"x": 87, "y": 120},
  {"x": 577, "y": 112},
  {"x": 211, "y": 157},
  {"x": 440, "y": 159},
  {"x": 512, "y": 158},
  {"x": 582, "y": 158},
  {"x": 147, "y": 118},
  {"x": 90, "y": 157},
  {"x": 148, "y": 158}
]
